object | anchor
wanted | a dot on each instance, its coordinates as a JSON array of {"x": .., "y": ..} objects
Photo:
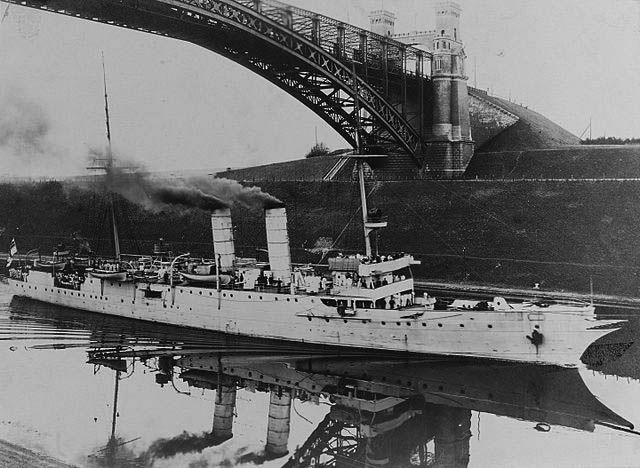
[{"x": 536, "y": 338}]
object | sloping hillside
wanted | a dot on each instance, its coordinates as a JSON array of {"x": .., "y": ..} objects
[
  {"x": 299, "y": 169},
  {"x": 572, "y": 162},
  {"x": 531, "y": 131}
]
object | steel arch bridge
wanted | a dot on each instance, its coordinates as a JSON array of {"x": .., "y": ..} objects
[{"x": 355, "y": 80}]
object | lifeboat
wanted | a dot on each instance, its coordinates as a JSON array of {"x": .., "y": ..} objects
[
  {"x": 48, "y": 264},
  {"x": 205, "y": 278},
  {"x": 118, "y": 275}
]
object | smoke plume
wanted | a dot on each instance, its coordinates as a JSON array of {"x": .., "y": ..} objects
[
  {"x": 157, "y": 193},
  {"x": 23, "y": 124},
  {"x": 183, "y": 443},
  {"x": 28, "y": 144}
]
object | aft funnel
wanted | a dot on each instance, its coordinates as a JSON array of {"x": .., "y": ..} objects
[
  {"x": 222, "y": 229},
  {"x": 278, "y": 243}
]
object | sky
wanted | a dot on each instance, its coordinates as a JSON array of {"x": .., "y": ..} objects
[{"x": 175, "y": 106}]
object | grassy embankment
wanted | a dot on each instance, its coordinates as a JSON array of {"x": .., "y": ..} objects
[{"x": 515, "y": 233}]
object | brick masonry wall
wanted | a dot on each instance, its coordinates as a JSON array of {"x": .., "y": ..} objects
[{"x": 487, "y": 119}]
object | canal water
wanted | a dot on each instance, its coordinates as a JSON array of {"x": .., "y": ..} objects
[{"x": 78, "y": 389}]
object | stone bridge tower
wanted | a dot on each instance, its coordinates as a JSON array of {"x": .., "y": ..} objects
[{"x": 449, "y": 144}]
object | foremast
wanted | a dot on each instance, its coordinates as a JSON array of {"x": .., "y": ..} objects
[
  {"x": 109, "y": 167},
  {"x": 107, "y": 164}
]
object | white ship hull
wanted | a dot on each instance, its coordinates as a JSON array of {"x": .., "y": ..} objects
[{"x": 304, "y": 318}]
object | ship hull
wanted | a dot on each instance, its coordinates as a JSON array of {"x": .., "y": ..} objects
[{"x": 305, "y": 318}]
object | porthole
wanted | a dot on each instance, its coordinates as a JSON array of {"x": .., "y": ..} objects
[
  {"x": 462, "y": 325},
  {"x": 326, "y": 320},
  {"x": 276, "y": 298},
  {"x": 224, "y": 294},
  {"x": 260, "y": 297},
  {"x": 408, "y": 324},
  {"x": 345, "y": 320},
  {"x": 440, "y": 325},
  {"x": 440, "y": 387},
  {"x": 121, "y": 300},
  {"x": 398, "y": 323},
  {"x": 230, "y": 295},
  {"x": 200, "y": 293},
  {"x": 383, "y": 323},
  {"x": 489, "y": 326},
  {"x": 537, "y": 326},
  {"x": 249, "y": 297},
  {"x": 288, "y": 299},
  {"x": 295, "y": 300},
  {"x": 210, "y": 293},
  {"x": 309, "y": 318},
  {"x": 424, "y": 324}
]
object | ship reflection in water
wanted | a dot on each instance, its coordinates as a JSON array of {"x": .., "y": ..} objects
[{"x": 89, "y": 390}]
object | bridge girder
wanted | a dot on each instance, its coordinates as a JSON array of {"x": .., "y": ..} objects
[{"x": 329, "y": 85}]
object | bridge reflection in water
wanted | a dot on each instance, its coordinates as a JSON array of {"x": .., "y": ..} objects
[{"x": 378, "y": 410}]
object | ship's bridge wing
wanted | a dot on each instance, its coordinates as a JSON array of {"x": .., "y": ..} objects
[
  {"x": 387, "y": 266},
  {"x": 363, "y": 268}
]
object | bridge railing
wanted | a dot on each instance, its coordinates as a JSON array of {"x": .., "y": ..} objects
[{"x": 346, "y": 41}]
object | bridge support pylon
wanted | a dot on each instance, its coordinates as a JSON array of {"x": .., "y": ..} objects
[{"x": 449, "y": 147}]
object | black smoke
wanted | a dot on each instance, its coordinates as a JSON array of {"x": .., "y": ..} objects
[{"x": 158, "y": 193}]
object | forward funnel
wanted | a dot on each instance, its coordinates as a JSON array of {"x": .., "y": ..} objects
[{"x": 222, "y": 228}]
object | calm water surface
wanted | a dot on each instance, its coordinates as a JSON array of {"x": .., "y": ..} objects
[{"x": 78, "y": 389}]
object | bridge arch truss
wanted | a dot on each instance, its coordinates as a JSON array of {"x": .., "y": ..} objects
[{"x": 341, "y": 72}]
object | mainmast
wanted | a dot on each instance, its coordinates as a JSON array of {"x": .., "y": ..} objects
[
  {"x": 368, "y": 225},
  {"x": 109, "y": 168}
]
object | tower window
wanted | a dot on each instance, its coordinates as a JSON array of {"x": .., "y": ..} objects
[
  {"x": 455, "y": 34},
  {"x": 442, "y": 32}
]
